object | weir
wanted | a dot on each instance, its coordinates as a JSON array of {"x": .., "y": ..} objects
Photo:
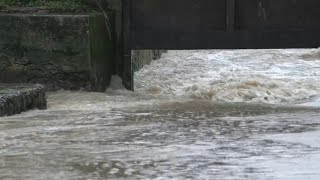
[
  {"x": 199, "y": 114},
  {"x": 218, "y": 24}
]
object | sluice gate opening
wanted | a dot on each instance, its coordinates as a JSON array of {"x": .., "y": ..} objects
[{"x": 216, "y": 24}]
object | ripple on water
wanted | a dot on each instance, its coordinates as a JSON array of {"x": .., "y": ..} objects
[{"x": 195, "y": 115}]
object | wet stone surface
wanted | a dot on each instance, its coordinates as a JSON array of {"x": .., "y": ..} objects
[{"x": 16, "y": 98}]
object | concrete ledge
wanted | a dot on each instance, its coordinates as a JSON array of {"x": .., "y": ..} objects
[{"x": 16, "y": 98}]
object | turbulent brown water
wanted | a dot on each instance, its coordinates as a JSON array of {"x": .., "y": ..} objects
[{"x": 250, "y": 114}]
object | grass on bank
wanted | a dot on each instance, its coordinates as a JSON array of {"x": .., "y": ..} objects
[{"x": 53, "y": 5}]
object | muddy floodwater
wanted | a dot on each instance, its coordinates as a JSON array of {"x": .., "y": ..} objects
[{"x": 242, "y": 114}]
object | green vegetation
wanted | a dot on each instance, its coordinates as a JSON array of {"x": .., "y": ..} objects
[{"x": 52, "y": 5}]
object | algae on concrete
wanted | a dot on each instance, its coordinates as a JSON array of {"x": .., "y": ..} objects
[{"x": 60, "y": 51}]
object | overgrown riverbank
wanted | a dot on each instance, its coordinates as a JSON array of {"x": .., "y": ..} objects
[{"x": 51, "y": 5}]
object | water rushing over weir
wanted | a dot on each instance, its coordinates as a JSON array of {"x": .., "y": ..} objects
[
  {"x": 254, "y": 76},
  {"x": 242, "y": 114}
]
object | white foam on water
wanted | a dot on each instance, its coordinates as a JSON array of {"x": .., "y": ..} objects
[
  {"x": 115, "y": 84},
  {"x": 288, "y": 76}
]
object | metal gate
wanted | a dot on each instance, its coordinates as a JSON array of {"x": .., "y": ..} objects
[{"x": 218, "y": 24}]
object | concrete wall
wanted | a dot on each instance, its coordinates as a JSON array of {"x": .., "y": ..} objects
[
  {"x": 115, "y": 6},
  {"x": 139, "y": 57},
  {"x": 60, "y": 51},
  {"x": 144, "y": 57}
]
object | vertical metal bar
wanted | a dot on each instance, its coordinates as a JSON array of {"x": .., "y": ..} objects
[
  {"x": 127, "y": 74},
  {"x": 230, "y": 15}
]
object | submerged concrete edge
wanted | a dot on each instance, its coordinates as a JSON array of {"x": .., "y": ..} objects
[{"x": 15, "y": 99}]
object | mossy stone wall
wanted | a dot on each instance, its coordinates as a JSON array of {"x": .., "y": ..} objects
[{"x": 59, "y": 51}]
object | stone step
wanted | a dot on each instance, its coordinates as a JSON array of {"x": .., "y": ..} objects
[{"x": 16, "y": 98}]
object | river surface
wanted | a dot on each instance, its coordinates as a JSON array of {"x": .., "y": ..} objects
[{"x": 241, "y": 114}]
